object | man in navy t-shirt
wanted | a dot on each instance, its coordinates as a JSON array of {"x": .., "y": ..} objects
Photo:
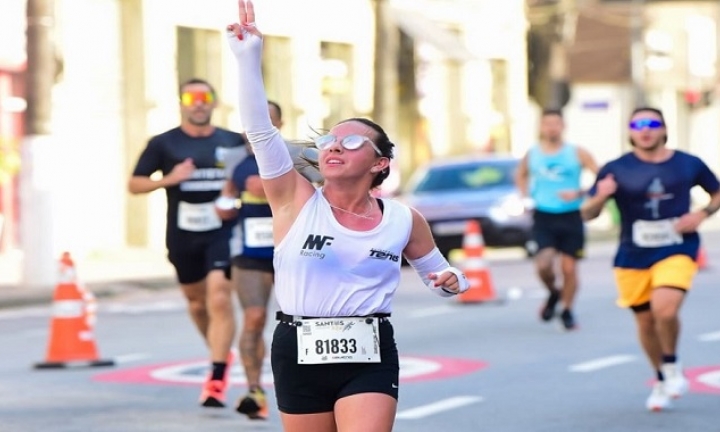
[
  {"x": 656, "y": 259},
  {"x": 191, "y": 158}
]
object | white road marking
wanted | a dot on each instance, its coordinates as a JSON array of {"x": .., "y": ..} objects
[
  {"x": 158, "y": 306},
  {"x": 437, "y": 407},
  {"x": 111, "y": 308},
  {"x": 711, "y": 378},
  {"x": 710, "y": 337},
  {"x": 601, "y": 363},
  {"x": 431, "y": 311},
  {"x": 27, "y": 334},
  {"x": 514, "y": 293},
  {"x": 128, "y": 358},
  {"x": 25, "y": 312}
]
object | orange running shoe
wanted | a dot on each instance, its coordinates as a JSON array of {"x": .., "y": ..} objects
[{"x": 213, "y": 392}]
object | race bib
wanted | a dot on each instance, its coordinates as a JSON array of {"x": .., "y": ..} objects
[
  {"x": 258, "y": 232},
  {"x": 652, "y": 234},
  {"x": 338, "y": 340},
  {"x": 198, "y": 217}
]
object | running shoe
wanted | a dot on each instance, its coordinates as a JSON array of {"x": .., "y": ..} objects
[
  {"x": 568, "y": 320},
  {"x": 254, "y": 405},
  {"x": 548, "y": 311},
  {"x": 676, "y": 384},
  {"x": 213, "y": 392},
  {"x": 659, "y": 399}
]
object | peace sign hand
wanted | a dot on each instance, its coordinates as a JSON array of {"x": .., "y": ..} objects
[{"x": 244, "y": 36}]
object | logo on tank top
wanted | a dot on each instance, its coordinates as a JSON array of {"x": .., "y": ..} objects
[
  {"x": 553, "y": 172},
  {"x": 384, "y": 255},
  {"x": 314, "y": 245}
]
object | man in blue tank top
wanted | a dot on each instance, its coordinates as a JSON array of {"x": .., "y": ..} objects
[
  {"x": 550, "y": 174},
  {"x": 656, "y": 259}
]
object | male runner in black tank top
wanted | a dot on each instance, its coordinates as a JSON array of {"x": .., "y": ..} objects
[{"x": 191, "y": 158}]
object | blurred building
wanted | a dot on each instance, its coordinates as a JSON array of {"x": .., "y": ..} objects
[
  {"x": 472, "y": 70},
  {"x": 665, "y": 51},
  {"x": 12, "y": 105},
  {"x": 119, "y": 63},
  {"x": 318, "y": 69}
]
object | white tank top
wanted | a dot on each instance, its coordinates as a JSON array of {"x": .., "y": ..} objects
[{"x": 323, "y": 269}]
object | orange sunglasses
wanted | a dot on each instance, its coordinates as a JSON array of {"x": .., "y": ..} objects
[{"x": 190, "y": 98}]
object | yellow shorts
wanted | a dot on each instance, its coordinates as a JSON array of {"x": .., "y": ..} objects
[{"x": 635, "y": 285}]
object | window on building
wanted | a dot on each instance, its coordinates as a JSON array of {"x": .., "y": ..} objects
[
  {"x": 277, "y": 74},
  {"x": 198, "y": 56},
  {"x": 337, "y": 84}
]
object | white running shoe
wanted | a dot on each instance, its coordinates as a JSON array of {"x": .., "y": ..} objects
[
  {"x": 676, "y": 384},
  {"x": 659, "y": 399}
]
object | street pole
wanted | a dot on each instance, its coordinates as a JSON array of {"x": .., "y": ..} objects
[
  {"x": 565, "y": 21},
  {"x": 385, "y": 96},
  {"x": 37, "y": 163},
  {"x": 637, "y": 52}
]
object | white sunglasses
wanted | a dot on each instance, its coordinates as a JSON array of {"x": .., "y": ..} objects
[{"x": 350, "y": 142}]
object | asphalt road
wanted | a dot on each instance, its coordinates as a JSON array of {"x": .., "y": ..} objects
[{"x": 489, "y": 366}]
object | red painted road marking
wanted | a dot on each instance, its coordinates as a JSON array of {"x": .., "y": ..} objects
[
  {"x": 412, "y": 369},
  {"x": 704, "y": 379}
]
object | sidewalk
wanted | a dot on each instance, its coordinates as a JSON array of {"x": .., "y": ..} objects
[{"x": 105, "y": 274}]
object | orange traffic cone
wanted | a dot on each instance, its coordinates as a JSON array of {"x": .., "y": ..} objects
[
  {"x": 72, "y": 341},
  {"x": 481, "y": 286},
  {"x": 702, "y": 259}
]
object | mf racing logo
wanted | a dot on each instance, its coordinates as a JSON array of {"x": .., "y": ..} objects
[
  {"x": 384, "y": 255},
  {"x": 317, "y": 242},
  {"x": 314, "y": 244}
]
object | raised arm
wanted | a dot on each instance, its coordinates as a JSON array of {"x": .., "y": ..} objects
[{"x": 285, "y": 188}]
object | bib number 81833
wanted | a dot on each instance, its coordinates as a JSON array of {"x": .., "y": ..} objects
[
  {"x": 335, "y": 346},
  {"x": 338, "y": 340}
]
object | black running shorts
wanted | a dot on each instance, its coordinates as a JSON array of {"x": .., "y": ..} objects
[
  {"x": 194, "y": 255},
  {"x": 264, "y": 265},
  {"x": 564, "y": 232},
  {"x": 310, "y": 389}
]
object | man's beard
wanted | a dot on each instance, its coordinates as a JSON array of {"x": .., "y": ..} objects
[
  {"x": 656, "y": 145},
  {"x": 555, "y": 139},
  {"x": 204, "y": 121}
]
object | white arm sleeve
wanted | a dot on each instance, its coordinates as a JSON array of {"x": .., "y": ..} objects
[
  {"x": 270, "y": 150},
  {"x": 434, "y": 262}
]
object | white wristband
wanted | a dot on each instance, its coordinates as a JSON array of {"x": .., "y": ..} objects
[
  {"x": 226, "y": 203},
  {"x": 463, "y": 284}
]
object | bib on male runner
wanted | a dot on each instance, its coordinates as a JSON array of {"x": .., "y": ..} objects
[
  {"x": 338, "y": 340},
  {"x": 652, "y": 234},
  {"x": 198, "y": 217},
  {"x": 258, "y": 232}
]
